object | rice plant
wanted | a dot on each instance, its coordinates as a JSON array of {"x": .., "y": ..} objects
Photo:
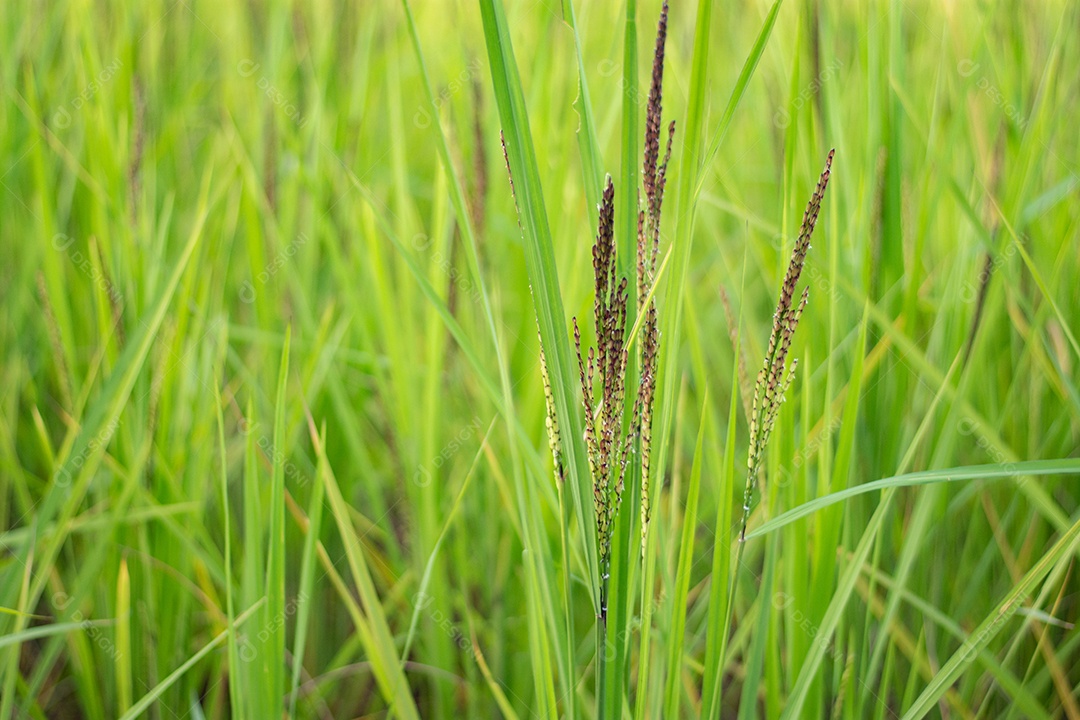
[
  {"x": 307, "y": 412},
  {"x": 776, "y": 376}
]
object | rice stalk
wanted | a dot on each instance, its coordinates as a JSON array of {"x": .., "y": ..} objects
[
  {"x": 610, "y": 443},
  {"x": 654, "y": 179},
  {"x": 775, "y": 376},
  {"x": 605, "y": 366}
]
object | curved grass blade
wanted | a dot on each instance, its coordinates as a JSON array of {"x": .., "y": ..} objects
[
  {"x": 274, "y": 657},
  {"x": 992, "y": 625},
  {"x": 379, "y": 642},
  {"x": 307, "y": 578},
  {"x": 148, "y": 699},
  {"x": 426, "y": 577},
  {"x": 673, "y": 690},
  {"x": 49, "y": 630},
  {"x": 102, "y": 418},
  {"x": 994, "y": 471},
  {"x": 747, "y": 73},
  {"x": 542, "y": 271},
  {"x": 588, "y": 145}
]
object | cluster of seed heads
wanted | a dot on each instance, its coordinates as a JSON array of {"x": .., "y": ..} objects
[
  {"x": 775, "y": 377},
  {"x": 654, "y": 179},
  {"x": 604, "y": 440},
  {"x": 551, "y": 422},
  {"x": 603, "y": 368}
]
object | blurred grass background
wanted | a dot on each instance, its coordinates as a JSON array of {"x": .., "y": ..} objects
[{"x": 238, "y": 316}]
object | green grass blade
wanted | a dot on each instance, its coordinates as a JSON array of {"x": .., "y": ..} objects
[
  {"x": 688, "y": 168},
  {"x": 846, "y": 583},
  {"x": 306, "y": 591},
  {"x": 626, "y": 187},
  {"x": 673, "y": 691},
  {"x": 102, "y": 418},
  {"x": 760, "y": 635},
  {"x": 274, "y": 656},
  {"x": 425, "y": 579},
  {"x": 995, "y": 471},
  {"x": 1013, "y": 685},
  {"x": 123, "y": 637},
  {"x": 719, "y": 615},
  {"x": 592, "y": 163},
  {"x": 43, "y": 631},
  {"x": 992, "y": 625},
  {"x": 540, "y": 264},
  {"x": 235, "y": 683},
  {"x": 158, "y": 690},
  {"x": 745, "y": 76},
  {"x": 249, "y": 676},
  {"x": 380, "y": 646}
]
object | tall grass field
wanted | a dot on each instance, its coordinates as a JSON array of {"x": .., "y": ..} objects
[{"x": 539, "y": 359}]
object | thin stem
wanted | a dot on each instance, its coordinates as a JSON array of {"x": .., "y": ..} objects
[
  {"x": 647, "y": 582},
  {"x": 601, "y": 654},
  {"x": 569, "y": 669}
]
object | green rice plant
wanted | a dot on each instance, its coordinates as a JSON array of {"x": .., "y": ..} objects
[
  {"x": 775, "y": 376},
  {"x": 609, "y": 441},
  {"x": 605, "y": 442},
  {"x": 272, "y": 440}
]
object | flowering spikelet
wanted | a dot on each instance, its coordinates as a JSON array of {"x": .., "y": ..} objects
[
  {"x": 551, "y": 421},
  {"x": 603, "y": 423},
  {"x": 774, "y": 378},
  {"x": 480, "y": 175},
  {"x": 650, "y": 180},
  {"x": 602, "y": 369},
  {"x": 648, "y": 247},
  {"x": 510, "y": 175}
]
